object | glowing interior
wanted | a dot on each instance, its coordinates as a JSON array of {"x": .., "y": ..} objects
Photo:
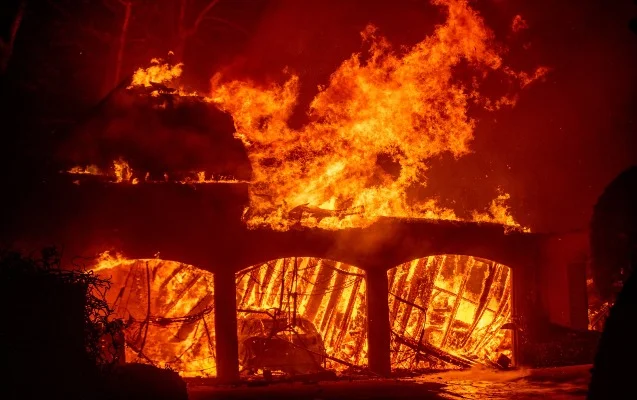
[
  {"x": 168, "y": 311},
  {"x": 445, "y": 311},
  {"x": 329, "y": 294},
  {"x": 457, "y": 304}
]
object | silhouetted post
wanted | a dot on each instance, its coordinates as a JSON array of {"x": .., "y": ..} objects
[
  {"x": 378, "y": 329},
  {"x": 227, "y": 344}
]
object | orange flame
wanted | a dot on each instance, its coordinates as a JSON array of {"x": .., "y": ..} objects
[
  {"x": 168, "y": 311},
  {"x": 159, "y": 72},
  {"x": 456, "y": 304},
  {"x": 330, "y": 295},
  {"x": 499, "y": 212},
  {"x": 121, "y": 172},
  {"x": 381, "y": 107},
  {"x": 407, "y": 108}
]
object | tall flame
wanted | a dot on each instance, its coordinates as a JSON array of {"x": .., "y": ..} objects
[
  {"x": 406, "y": 108},
  {"x": 373, "y": 130}
]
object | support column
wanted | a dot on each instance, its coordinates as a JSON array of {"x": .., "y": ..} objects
[
  {"x": 526, "y": 314},
  {"x": 378, "y": 328},
  {"x": 227, "y": 344}
]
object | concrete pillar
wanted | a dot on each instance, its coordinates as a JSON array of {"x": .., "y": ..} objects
[
  {"x": 378, "y": 329},
  {"x": 528, "y": 316},
  {"x": 227, "y": 343}
]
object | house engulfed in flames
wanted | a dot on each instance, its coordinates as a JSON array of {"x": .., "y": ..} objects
[{"x": 318, "y": 236}]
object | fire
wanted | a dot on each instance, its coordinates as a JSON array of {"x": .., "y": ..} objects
[
  {"x": 330, "y": 295},
  {"x": 449, "y": 310},
  {"x": 444, "y": 310},
  {"x": 168, "y": 311},
  {"x": 121, "y": 172},
  {"x": 373, "y": 129},
  {"x": 88, "y": 170},
  {"x": 499, "y": 212},
  {"x": 381, "y": 104},
  {"x": 159, "y": 72}
]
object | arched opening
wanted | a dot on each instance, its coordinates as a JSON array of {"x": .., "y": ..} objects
[
  {"x": 301, "y": 315},
  {"x": 167, "y": 309},
  {"x": 450, "y": 311}
]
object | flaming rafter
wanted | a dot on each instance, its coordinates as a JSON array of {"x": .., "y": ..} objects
[{"x": 449, "y": 310}]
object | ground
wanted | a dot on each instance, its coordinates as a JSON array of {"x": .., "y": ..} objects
[{"x": 565, "y": 383}]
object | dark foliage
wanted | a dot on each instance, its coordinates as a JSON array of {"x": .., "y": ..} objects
[
  {"x": 614, "y": 228},
  {"x": 15, "y": 268},
  {"x": 55, "y": 324},
  {"x": 142, "y": 381}
]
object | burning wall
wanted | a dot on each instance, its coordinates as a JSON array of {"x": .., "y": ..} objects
[
  {"x": 168, "y": 309},
  {"x": 149, "y": 220}
]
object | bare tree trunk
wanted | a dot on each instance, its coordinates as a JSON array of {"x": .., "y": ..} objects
[
  {"x": 122, "y": 41},
  {"x": 180, "y": 44},
  {"x": 6, "y": 48},
  {"x": 185, "y": 32}
]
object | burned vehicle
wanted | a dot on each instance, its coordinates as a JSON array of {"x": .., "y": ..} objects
[{"x": 289, "y": 345}]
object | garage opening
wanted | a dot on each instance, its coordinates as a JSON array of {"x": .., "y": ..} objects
[
  {"x": 450, "y": 311},
  {"x": 167, "y": 311},
  {"x": 301, "y": 315}
]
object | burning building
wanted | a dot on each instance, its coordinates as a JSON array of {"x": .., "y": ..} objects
[{"x": 232, "y": 238}]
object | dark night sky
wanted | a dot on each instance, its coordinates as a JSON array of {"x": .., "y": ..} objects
[{"x": 566, "y": 139}]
